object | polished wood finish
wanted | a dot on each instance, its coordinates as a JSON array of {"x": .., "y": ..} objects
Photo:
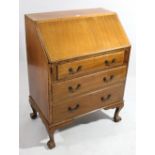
[
  {"x": 117, "y": 118},
  {"x": 99, "y": 62},
  {"x": 77, "y": 64},
  {"x": 33, "y": 115},
  {"x": 47, "y": 16},
  {"x": 37, "y": 68},
  {"x": 88, "y": 102},
  {"x": 91, "y": 82},
  {"x": 51, "y": 143},
  {"x": 99, "y": 33}
]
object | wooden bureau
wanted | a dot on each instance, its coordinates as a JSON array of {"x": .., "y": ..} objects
[{"x": 77, "y": 63}]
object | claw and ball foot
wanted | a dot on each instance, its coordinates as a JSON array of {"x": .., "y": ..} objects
[
  {"x": 117, "y": 118},
  {"x": 33, "y": 115},
  {"x": 51, "y": 143}
]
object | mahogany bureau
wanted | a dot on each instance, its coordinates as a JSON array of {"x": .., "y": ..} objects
[{"x": 77, "y": 63}]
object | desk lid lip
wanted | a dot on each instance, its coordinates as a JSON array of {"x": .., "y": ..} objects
[
  {"x": 86, "y": 56},
  {"x": 67, "y": 14}
]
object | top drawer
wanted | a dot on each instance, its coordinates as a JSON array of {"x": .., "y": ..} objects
[{"x": 78, "y": 67}]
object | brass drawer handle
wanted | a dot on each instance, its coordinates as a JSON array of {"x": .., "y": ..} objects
[
  {"x": 72, "y": 90},
  {"x": 71, "y": 109},
  {"x": 72, "y": 71},
  {"x": 108, "y": 63},
  {"x": 105, "y": 79},
  {"x": 103, "y": 99}
]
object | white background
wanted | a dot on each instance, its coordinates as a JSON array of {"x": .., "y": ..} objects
[
  {"x": 95, "y": 133},
  {"x": 145, "y": 15}
]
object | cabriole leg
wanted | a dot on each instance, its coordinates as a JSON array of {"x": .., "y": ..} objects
[
  {"x": 117, "y": 118},
  {"x": 51, "y": 143},
  {"x": 33, "y": 115}
]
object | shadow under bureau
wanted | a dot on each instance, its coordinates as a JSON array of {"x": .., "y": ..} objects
[{"x": 77, "y": 63}]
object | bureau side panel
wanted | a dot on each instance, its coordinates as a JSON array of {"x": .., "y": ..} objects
[{"x": 37, "y": 69}]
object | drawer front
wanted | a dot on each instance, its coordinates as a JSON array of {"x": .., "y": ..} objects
[
  {"x": 78, "y": 67},
  {"x": 87, "y": 83},
  {"x": 86, "y": 103}
]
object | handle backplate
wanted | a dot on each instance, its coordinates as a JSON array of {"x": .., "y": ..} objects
[
  {"x": 73, "y": 71},
  {"x": 71, "y": 109},
  {"x": 108, "y": 63},
  {"x": 105, "y": 98}
]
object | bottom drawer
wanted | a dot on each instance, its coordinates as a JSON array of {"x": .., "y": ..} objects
[{"x": 86, "y": 103}]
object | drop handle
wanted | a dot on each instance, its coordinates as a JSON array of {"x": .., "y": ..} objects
[
  {"x": 106, "y": 79},
  {"x": 108, "y": 63},
  {"x": 105, "y": 98},
  {"x": 72, "y": 90},
  {"x": 71, "y": 109},
  {"x": 73, "y": 71}
]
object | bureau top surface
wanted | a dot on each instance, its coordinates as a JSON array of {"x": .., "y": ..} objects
[
  {"x": 72, "y": 34},
  {"x": 67, "y": 14}
]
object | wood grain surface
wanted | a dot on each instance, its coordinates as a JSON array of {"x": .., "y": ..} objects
[
  {"x": 99, "y": 62},
  {"x": 77, "y": 63},
  {"x": 62, "y": 38},
  {"x": 91, "y": 82},
  {"x": 86, "y": 103},
  {"x": 37, "y": 69}
]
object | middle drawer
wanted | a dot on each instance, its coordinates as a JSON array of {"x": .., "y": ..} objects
[
  {"x": 69, "y": 88},
  {"x": 85, "y": 103}
]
